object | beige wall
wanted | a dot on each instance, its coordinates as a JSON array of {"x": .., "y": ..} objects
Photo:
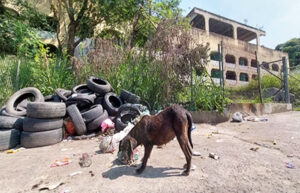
[{"x": 237, "y": 48}]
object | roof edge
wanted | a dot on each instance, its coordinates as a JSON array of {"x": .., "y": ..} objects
[{"x": 196, "y": 8}]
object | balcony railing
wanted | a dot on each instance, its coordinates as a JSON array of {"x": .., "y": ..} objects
[
  {"x": 215, "y": 63},
  {"x": 231, "y": 82},
  {"x": 230, "y": 65}
]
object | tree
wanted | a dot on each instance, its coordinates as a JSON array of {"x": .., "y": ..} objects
[
  {"x": 79, "y": 17},
  {"x": 292, "y": 47}
]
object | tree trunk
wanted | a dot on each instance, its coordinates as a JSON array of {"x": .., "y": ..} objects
[{"x": 71, "y": 39}]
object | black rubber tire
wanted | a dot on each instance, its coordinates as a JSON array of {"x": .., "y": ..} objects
[
  {"x": 99, "y": 100},
  {"x": 63, "y": 94},
  {"x": 83, "y": 89},
  {"x": 4, "y": 113},
  {"x": 52, "y": 98},
  {"x": 129, "y": 97},
  {"x": 119, "y": 125},
  {"x": 36, "y": 125},
  {"x": 111, "y": 103},
  {"x": 99, "y": 85},
  {"x": 46, "y": 110},
  {"x": 11, "y": 123},
  {"x": 112, "y": 118},
  {"x": 21, "y": 95},
  {"x": 9, "y": 139},
  {"x": 78, "y": 97},
  {"x": 96, "y": 123},
  {"x": 39, "y": 139},
  {"x": 77, "y": 119},
  {"x": 92, "y": 113},
  {"x": 129, "y": 107}
]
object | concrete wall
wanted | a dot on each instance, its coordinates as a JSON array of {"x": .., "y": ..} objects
[
  {"x": 235, "y": 47},
  {"x": 260, "y": 109},
  {"x": 250, "y": 108},
  {"x": 238, "y": 49}
]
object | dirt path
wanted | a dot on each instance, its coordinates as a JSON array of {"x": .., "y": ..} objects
[{"x": 238, "y": 170}]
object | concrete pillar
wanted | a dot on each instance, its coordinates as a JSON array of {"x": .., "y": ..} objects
[
  {"x": 206, "y": 18},
  {"x": 258, "y": 39},
  {"x": 234, "y": 32}
]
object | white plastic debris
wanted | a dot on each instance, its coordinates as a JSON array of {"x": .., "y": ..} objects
[
  {"x": 109, "y": 143},
  {"x": 237, "y": 117},
  {"x": 75, "y": 173}
]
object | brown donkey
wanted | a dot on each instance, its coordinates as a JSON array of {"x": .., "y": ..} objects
[{"x": 158, "y": 130}]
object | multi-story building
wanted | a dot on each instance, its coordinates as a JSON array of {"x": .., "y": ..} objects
[{"x": 239, "y": 60}]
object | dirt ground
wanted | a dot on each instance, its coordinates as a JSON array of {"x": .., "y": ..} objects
[{"x": 239, "y": 169}]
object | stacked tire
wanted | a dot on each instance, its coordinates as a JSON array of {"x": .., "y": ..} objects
[
  {"x": 16, "y": 106},
  {"x": 43, "y": 124},
  {"x": 32, "y": 120},
  {"x": 10, "y": 128},
  {"x": 127, "y": 113},
  {"x": 91, "y": 104},
  {"x": 12, "y": 116}
]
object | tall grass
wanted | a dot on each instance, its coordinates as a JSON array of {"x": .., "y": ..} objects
[{"x": 47, "y": 75}]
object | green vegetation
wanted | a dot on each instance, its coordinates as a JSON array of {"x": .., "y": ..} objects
[
  {"x": 134, "y": 51},
  {"x": 292, "y": 47},
  {"x": 249, "y": 93}
]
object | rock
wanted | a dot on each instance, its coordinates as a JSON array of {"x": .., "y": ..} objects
[{"x": 276, "y": 95}]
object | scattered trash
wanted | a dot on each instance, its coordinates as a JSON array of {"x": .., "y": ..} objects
[
  {"x": 84, "y": 136},
  {"x": 109, "y": 143},
  {"x": 37, "y": 185},
  {"x": 242, "y": 116},
  {"x": 92, "y": 174},
  {"x": 75, "y": 173},
  {"x": 85, "y": 160},
  {"x": 274, "y": 142},
  {"x": 209, "y": 135},
  {"x": 237, "y": 117},
  {"x": 62, "y": 162},
  {"x": 254, "y": 148},
  {"x": 64, "y": 149},
  {"x": 195, "y": 153},
  {"x": 106, "y": 145},
  {"x": 10, "y": 151},
  {"x": 213, "y": 156},
  {"x": 69, "y": 126},
  {"x": 290, "y": 165},
  {"x": 51, "y": 186},
  {"x": 107, "y": 124},
  {"x": 255, "y": 119},
  {"x": 193, "y": 126}
]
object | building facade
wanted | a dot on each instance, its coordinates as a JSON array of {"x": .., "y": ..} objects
[{"x": 239, "y": 60}]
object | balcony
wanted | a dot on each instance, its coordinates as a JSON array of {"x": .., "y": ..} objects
[
  {"x": 215, "y": 63},
  {"x": 231, "y": 82},
  {"x": 230, "y": 65}
]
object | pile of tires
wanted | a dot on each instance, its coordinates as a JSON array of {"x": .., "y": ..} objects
[
  {"x": 32, "y": 120},
  {"x": 10, "y": 129},
  {"x": 92, "y": 103},
  {"x": 43, "y": 124}
]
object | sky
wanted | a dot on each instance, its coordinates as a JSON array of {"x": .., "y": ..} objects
[{"x": 280, "y": 19}]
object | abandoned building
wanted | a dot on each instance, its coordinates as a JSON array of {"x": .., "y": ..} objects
[{"x": 238, "y": 51}]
